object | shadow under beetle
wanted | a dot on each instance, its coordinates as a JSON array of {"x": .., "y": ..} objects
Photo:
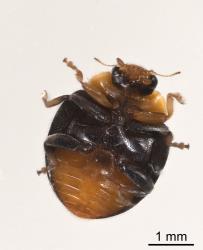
[{"x": 108, "y": 142}]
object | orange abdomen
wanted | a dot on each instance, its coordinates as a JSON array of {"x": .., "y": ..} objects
[{"x": 90, "y": 185}]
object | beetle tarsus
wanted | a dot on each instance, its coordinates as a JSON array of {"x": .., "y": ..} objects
[
  {"x": 52, "y": 102},
  {"x": 44, "y": 96},
  {"x": 180, "y": 145},
  {"x": 179, "y": 98},
  {"x": 42, "y": 171},
  {"x": 78, "y": 73}
]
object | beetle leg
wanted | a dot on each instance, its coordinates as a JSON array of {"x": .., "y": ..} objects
[
  {"x": 66, "y": 142},
  {"x": 88, "y": 89},
  {"x": 91, "y": 108},
  {"x": 52, "y": 102},
  {"x": 78, "y": 73},
  {"x": 149, "y": 117},
  {"x": 106, "y": 96},
  {"x": 170, "y": 100},
  {"x": 142, "y": 180},
  {"x": 112, "y": 95},
  {"x": 179, "y": 145},
  {"x": 159, "y": 118},
  {"x": 42, "y": 171},
  {"x": 98, "y": 97}
]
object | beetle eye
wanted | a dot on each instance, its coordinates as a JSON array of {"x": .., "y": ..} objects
[
  {"x": 154, "y": 81},
  {"x": 118, "y": 78}
]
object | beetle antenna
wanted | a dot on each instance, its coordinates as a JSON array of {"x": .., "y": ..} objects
[
  {"x": 96, "y": 59},
  {"x": 173, "y": 74},
  {"x": 120, "y": 62}
]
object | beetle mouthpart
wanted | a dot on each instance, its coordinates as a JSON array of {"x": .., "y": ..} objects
[
  {"x": 99, "y": 61},
  {"x": 173, "y": 74}
]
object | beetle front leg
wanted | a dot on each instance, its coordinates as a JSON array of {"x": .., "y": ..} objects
[
  {"x": 159, "y": 118},
  {"x": 52, "y": 102},
  {"x": 170, "y": 102},
  {"x": 149, "y": 117}
]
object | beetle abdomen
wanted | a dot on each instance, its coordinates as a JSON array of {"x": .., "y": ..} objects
[{"x": 90, "y": 185}]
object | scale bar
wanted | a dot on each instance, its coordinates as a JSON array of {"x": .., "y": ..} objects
[{"x": 172, "y": 244}]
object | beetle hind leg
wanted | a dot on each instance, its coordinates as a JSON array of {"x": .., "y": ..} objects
[
  {"x": 66, "y": 142},
  {"x": 142, "y": 180},
  {"x": 179, "y": 145},
  {"x": 42, "y": 171}
]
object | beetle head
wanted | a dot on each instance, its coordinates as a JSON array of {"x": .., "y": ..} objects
[{"x": 134, "y": 78}]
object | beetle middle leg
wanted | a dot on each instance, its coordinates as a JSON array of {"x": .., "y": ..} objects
[
  {"x": 42, "y": 171},
  {"x": 180, "y": 145},
  {"x": 52, "y": 102}
]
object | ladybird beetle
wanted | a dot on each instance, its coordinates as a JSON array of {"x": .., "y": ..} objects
[{"x": 108, "y": 142}]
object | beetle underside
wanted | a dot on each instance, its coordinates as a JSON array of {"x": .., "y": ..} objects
[
  {"x": 90, "y": 185},
  {"x": 98, "y": 164},
  {"x": 108, "y": 143}
]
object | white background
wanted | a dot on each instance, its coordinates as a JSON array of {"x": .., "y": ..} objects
[{"x": 34, "y": 38}]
